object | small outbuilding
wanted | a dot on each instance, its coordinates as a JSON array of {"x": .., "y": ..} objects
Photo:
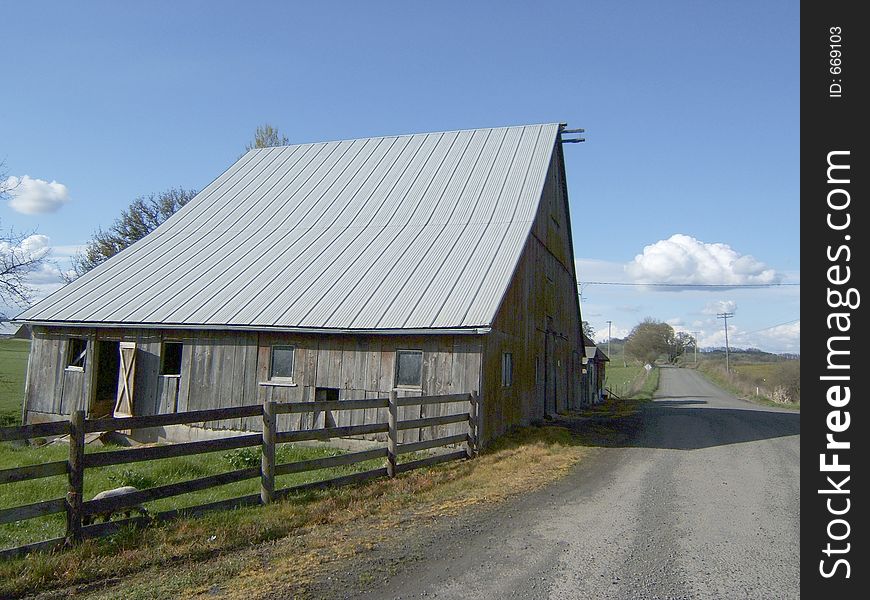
[
  {"x": 432, "y": 263},
  {"x": 594, "y": 373}
]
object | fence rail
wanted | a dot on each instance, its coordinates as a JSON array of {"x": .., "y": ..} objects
[
  {"x": 79, "y": 512},
  {"x": 35, "y": 430}
]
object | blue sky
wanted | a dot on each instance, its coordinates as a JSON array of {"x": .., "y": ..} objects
[{"x": 691, "y": 111}]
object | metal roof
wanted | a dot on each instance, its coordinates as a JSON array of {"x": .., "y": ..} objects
[
  {"x": 594, "y": 352},
  {"x": 392, "y": 233}
]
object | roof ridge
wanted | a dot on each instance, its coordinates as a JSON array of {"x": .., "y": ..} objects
[{"x": 402, "y": 135}]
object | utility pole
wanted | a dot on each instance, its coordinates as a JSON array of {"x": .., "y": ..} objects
[
  {"x": 726, "y": 316},
  {"x": 609, "y": 329},
  {"x": 695, "y": 333}
]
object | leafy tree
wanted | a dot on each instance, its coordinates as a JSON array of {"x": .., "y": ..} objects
[
  {"x": 138, "y": 220},
  {"x": 682, "y": 342},
  {"x": 588, "y": 330},
  {"x": 267, "y": 136},
  {"x": 650, "y": 339}
]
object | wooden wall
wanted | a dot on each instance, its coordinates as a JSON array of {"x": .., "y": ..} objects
[
  {"x": 50, "y": 388},
  {"x": 221, "y": 369},
  {"x": 546, "y": 357}
]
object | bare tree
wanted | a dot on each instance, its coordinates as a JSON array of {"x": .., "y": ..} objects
[
  {"x": 19, "y": 257},
  {"x": 17, "y": 260}
]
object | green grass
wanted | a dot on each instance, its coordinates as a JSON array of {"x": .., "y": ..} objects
[
  {"x": 13, "y": 368},
  {"x": 143, "y": 475},
  {"x": 646, "y": 387},
  {"x": 256, "y": 549},
  {"x": 622, "y": 380}
]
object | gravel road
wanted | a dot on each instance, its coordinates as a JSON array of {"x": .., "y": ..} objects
[{"x": 702, "y": 503}]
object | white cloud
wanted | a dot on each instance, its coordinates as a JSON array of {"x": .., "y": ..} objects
[
  {"x": 48, "y": 273},
  {"x": 785, "y": 338},
  {"x": 32, "y": 247},
  {"x": 68, "y": 251},
  {"x": 681, "y": 259},
  {"x": 34, "y": 196},
  {"x": 618, "y": 332},
  {"x": 719, "y": 306},
  {"x": 782, "y": 338}
]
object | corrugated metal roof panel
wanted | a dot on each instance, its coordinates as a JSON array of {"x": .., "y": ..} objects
[{"x": 404, "y": 232}]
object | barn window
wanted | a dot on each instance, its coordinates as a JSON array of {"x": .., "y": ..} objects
[
  {"x": 507, "y": 369},
  {"x": 76, "y": 351},
  {"x": 409, "y": 368},
  {"x": 170, "y": 361},
  {"x": 281, "y": 365}
]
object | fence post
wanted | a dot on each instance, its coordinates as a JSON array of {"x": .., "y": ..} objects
[
  {"x": 392, "y": 441},
  {"x": 471, "y": 447},
  {"x": 267, "y": 463},
  {"x": 76, "y": 477}
]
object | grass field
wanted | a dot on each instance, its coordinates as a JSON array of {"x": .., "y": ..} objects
[
  {"x": 771, "y": 383},
  {"x": 143, "y": 475},
  {"x": 13, "y": 368},
  {"x": 623, "y": 380},
  {"x": 307, "y": 534}
]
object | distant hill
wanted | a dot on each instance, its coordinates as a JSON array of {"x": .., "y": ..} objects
[
  {"x": 736, "y": 353},
  {"x": 754, "y": 355}
]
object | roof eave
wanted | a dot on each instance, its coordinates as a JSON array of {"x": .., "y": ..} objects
[{"x": 478, "y": 330}]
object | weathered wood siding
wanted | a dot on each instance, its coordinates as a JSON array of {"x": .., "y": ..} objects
[
  {"x": 51, "y": 388},
  {"x": 546, "y": 352},
  {"x": 44, "y": 388},
  {"x": 593, "y": 380},
  {"x": 223, "y": 369}
]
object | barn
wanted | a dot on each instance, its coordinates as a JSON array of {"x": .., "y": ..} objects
[
  {"x": 594, "y": 373},
  {"x": 428, "y": 264}
]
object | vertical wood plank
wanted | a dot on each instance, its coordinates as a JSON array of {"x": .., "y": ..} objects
[
  {"x": 372, "y": 372},
  {"x": 59, "y": 371},
  {"x": 472, "y": 447},
  {"x": 146, "y": 400},
  {"x": 251, "y": 391},
  {"x": 267, "y": 463},
  {"x": 393, "y": 438},
  {"x": 76, "y": 476},
  {"x": 324, "y": 364},
  {"x": 89, "y": 384},
  {"x": 186, "y": 369}
]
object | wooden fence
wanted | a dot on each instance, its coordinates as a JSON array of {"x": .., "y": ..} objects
[{"x": 79, "y": 511}]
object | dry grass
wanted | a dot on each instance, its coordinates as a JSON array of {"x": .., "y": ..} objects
[
  {"x": 264, "y": 547},
  {"x": 277, "y": 551}
]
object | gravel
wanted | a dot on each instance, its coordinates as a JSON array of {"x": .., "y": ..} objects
[{"x": 703, "y": 502}]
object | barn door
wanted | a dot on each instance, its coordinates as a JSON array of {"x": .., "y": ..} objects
[{"x": 126, "y": 377}]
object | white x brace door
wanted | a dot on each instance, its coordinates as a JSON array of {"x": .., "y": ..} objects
[{"x": 126, "y": 377}]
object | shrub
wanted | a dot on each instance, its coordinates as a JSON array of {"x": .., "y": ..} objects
[{"x": 244, "y": 458}]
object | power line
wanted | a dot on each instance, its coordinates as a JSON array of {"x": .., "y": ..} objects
[
  {"x": 772, "y": 326},
  {"x": 693, "y": 285}
]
